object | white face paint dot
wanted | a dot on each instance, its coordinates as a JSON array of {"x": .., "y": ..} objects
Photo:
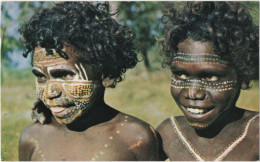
[
  {"x": 126, "y": 116},
  {"x": 117, "y": 131},
  {"x": 122, "y": 124},
  {"x": 125, "y": 120},
  {"x": 110, "y": 137},
  {"x": 106, "y": 145}
]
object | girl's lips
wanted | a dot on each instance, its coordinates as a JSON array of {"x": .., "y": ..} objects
[
  {"x": 57, "y": 109},
  {"x": 61, "y": 112}
]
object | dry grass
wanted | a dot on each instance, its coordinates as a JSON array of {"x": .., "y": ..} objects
[{"x": 144, "y": 96}]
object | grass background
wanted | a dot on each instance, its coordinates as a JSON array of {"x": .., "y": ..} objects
[{"x": 142, "y": 94}]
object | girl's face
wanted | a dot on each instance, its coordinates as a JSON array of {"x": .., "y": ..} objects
[
  {"x": 66, "y": 86},
  {"x": 203, "y": 85}
]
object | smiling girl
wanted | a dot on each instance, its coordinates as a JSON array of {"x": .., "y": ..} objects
[{"x": 212, "y": 50}]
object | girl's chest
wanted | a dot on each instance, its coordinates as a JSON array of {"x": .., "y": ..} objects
[
  {"x": 83, "y": 148},
  {"x": 186, "y": 150}
]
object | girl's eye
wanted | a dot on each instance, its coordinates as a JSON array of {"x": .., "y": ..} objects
[
  {"x": 211, "y": 78},
  {"x": 41, "y": 78},
  {"x": 62, "y": 74},
  {"x": 181, "y": 76}
]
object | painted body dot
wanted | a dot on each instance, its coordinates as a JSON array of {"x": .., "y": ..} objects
[
  {"x": 101, "y": 152},
  {"x": 122, "y": 124},
  {"x": 125, "y": 120},
  {"x": 106, "y": 145},
  {"x": 93, "y": 159},
  {"x": 126, "y": 116},
  {"x": 110, "y": 137},
  {"x": 117, "y": 131},
  {"x": 42, "y": 155}
]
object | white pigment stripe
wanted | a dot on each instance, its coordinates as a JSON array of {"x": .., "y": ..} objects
[
  {"x": 79, "y": 71},
  {"x": 185, "y": 141},
  {"x": 48, "y": 70},
  {"x": 86, "y": 76},
  {"x": 226, "y": 152},
  {"x": 234, "y": 144}
]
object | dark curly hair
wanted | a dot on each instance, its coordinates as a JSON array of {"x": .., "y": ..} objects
[
  {"x": 227, "y": 24},
  {"x": 91, "y": 29}
]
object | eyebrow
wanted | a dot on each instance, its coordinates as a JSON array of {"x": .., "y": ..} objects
[
  {"x": 61, "y": 70},
  {"x": 212, "y": 72},
  {"x": 175, "y": 68}
]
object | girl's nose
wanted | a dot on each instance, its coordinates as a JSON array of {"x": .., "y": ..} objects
[
  {"x": 52, "y": 91},
  {"x": 196, "y": 94}
]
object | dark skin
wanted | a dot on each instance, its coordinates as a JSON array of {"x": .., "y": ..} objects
[
  {"x": 212, "y": 132},
  {"x": 99, "y": 133},
  {"x": 104, "y": 141}
]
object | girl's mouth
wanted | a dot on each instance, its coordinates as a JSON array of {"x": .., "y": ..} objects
[
  {"x": 62, "y": 111},
  {"x": 57, "y": 109},
  {"x": 193, "y": 110}
]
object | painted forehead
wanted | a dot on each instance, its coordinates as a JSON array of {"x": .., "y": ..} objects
[
  {"x": 41, "y": 56},
  {"x": 198, "y": 58}
]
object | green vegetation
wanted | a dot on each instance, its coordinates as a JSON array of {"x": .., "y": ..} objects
[
  {"x": 14, "y": 14},
  {"x": 17, "y": 96},
  {"x": 146, "y": 26}
]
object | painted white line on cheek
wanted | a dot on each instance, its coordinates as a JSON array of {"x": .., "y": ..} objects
[
  {"x": 86, "y": 76},
  {"x": 80, "y": 74}
]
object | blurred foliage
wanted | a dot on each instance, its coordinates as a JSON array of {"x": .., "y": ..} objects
[
  {"x": 2, "y": 77},
  {"x": 14, "y": 14},
  {"x": 253, "y": 8},
  {"x": 9, "y": 41},
  {"x": 144, "y": 19}
]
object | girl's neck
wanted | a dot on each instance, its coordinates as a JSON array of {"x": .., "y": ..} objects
[
  {"x": 97, "y": 114},
  {"x": 227, "y": 117}
]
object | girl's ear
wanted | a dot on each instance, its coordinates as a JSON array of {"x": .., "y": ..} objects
[
  {"x": 245, "y": 85},
  {"x": 107, "y": 82}
]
